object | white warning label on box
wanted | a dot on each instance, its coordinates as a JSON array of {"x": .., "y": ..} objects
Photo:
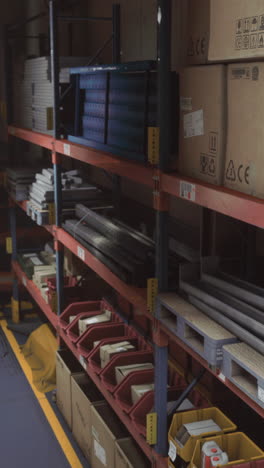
[
  {"x": 172, "y": 451},
  {"x": 193, "y": 124},
  {"x": 187, "y": 191},
  {"x": 186, "y": 104},
  {"x": 100, "y": 452}
]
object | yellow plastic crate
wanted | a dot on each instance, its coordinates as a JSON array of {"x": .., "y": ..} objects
[
  {"x": 238, "y": 446},
  {"x": 186, "y": 452}
]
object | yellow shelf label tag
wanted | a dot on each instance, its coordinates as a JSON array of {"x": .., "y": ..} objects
[
  {"x": 9, "y": 245},
  {"x": 52, "y": 217},
  {"x": 153, "y": 145},
  {"x": 54, "y": 303},
  {"x": 15, "y": 311},
  {"x": 152, "y": 424},
  {"x": 152, "y": 286}
]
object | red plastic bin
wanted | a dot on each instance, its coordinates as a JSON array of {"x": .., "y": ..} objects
[
  {"x": 81, "y": 307},
  {"x": 72, "y": 329},
  {"x": 108, "y": 374},
  {"x": 145, "y": 405},
  {"x": 123, "y": 391},
  {"x": 96, "y": 332},
  {"x": 94, "y": 358}
]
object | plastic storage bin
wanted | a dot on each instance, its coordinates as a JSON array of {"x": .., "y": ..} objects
[
  {"x": 238, "y": 446},
  {"x": 76, "y": 309},
  {"x": 81, "y": 307},
  {"x": 145, "y": 405},
  {"x": 94, "y": 358},
  {"x": 98, "y": 332},
  {"x": 108, "y": 374},
  {"x": 179, "y": 419},
  {"x": 72, "y": 329},
  {"x": 123, "y": 391}
]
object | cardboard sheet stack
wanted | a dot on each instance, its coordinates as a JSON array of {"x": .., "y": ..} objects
[
  {"x": 33, "y": 92},
  {"x": 19, "y": 181},
  {"x": 74, "y": 190}
]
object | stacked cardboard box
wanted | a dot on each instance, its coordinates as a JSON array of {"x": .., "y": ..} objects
[{"x": 219, "y": 100}]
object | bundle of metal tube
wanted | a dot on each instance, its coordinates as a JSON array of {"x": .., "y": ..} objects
[
  {"x": 233, "y": 303},
  {"x": 126, "y": 252}
]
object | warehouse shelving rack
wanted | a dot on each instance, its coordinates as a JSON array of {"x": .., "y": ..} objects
[{"x": 164, "y": 185}]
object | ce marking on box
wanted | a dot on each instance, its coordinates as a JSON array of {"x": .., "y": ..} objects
[{"x": 243, "y": 174}]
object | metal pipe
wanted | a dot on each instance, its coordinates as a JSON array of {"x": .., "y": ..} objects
[
  {"x": 117, "y": 183},
  {"x": 14, "y": 27},
  {"x": 162, "y": 217},
  {"x": 233, "y": 327},
  {"x": 243, "y": 307},
  {"x": 186, "y": 392},
  {"x": 81, "y": 19},
  {"x": 249, "y": 323},
  {"x": 164, "y": 81},
  {"x": 66, "y": 92},
  {"x": 28, "y": 37},
  {"x": 99, "y": 51},
  {"x": 116, "y": 33},
  {"x": 233, "y": 290},
  {"x": 57, "y": 167}
]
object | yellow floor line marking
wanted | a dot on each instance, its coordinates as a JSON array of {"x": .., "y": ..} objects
[{"x": 62, "y": 438}]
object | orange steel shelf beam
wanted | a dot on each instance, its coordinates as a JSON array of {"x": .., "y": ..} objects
[
  {"x": 136, "y": 296},
  {"x": 228, "y": 202},
  {"x": 35, "y": 293}
]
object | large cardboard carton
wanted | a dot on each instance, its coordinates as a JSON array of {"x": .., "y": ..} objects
[
  {"x": 198, "y": 31},
  {"x": 106, "y": 430},
  {"x": 128, "y": 455},
  {"x": 84, "y": 395},
  {"x": 225, "y": 30},
  {"x": 245, "y": 142},
  {"x": 66, "y": 366},
  {"x": 203, "y": 101}
]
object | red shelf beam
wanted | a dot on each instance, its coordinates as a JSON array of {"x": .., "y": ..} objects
[
  {"x": 35, "y": 293},
  {"x": 225, "y": 201},
  {"x": 228, "y": 202},
  {"x": 134, "y": 295},
  {"x": 160, "y": 462},
  {"x": 40, "y": 139},
  {"x": 122, "y": 167}
]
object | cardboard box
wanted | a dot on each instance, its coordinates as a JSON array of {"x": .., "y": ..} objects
[
  {"x": 128, "y": 455},
  {"x": 244, "y": 158},
  {"x": 203, "y": 102},
  {"x": 84, "y": 395},
  {"x": 84, "y": 323},
  {"x": 122, "y": 371},
  {"x": 108, "y": 351},
  {"x": 225, "y": 30},
  {"x": 66, "y": 366},
  {"x": 195, "y": 429},
  {"x": 137, "y": 391},
  {"x": 198, "y": 31},
  {"x": 106, "y": 430}
]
